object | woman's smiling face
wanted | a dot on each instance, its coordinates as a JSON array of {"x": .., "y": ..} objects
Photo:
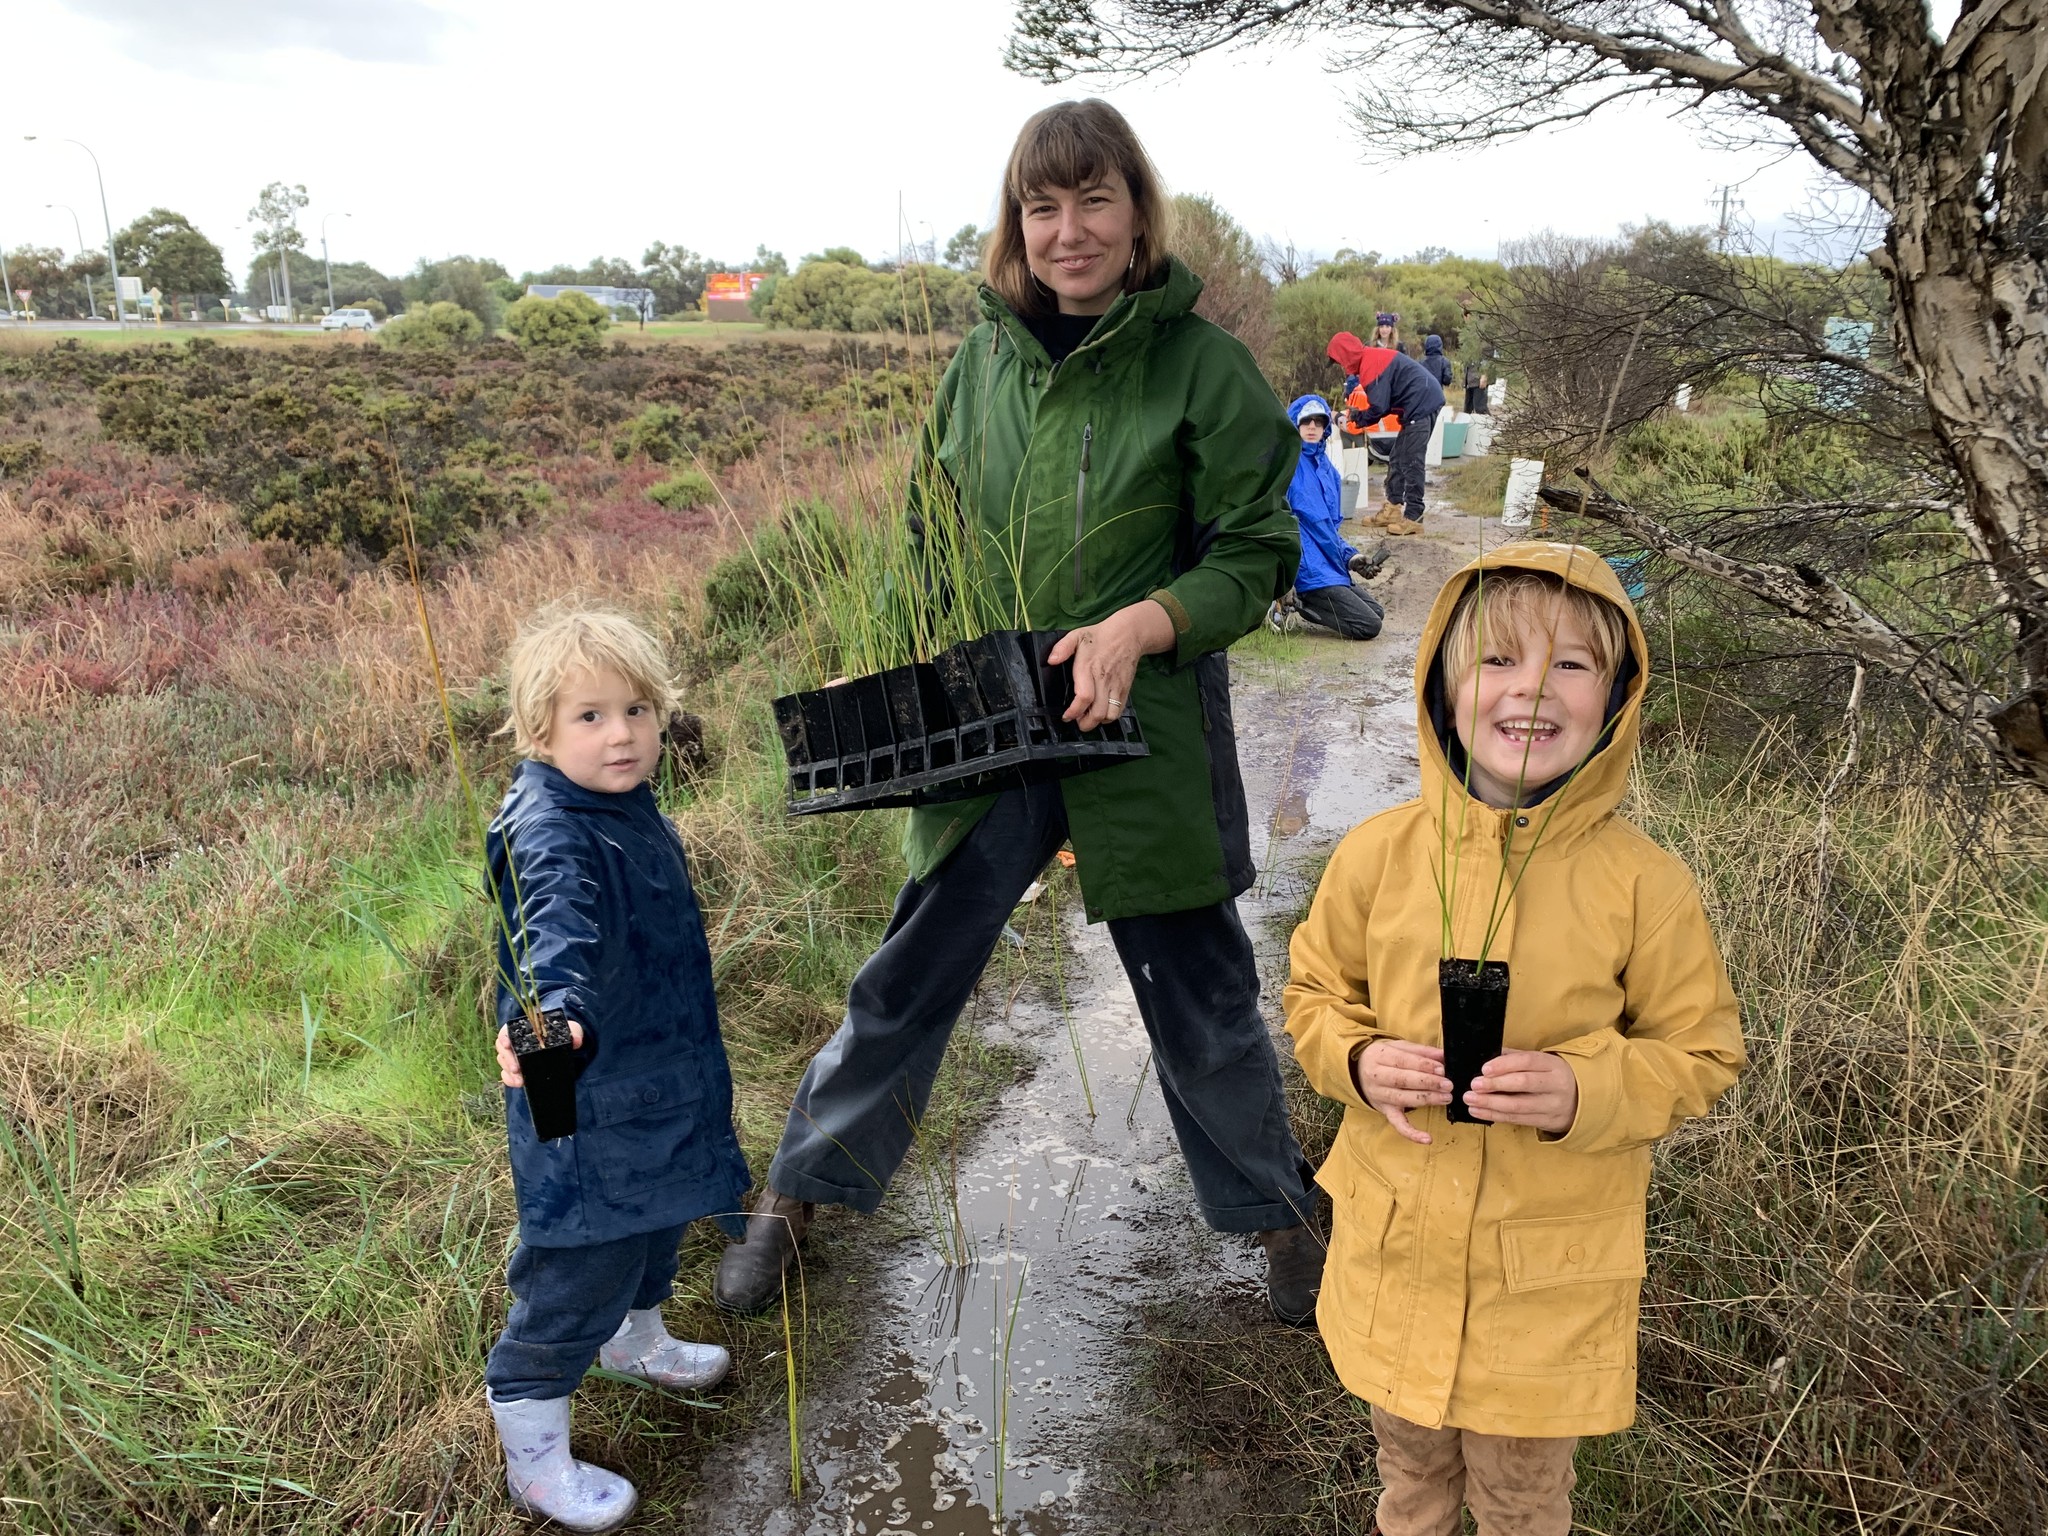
[{"x": 1079, "y": 241}]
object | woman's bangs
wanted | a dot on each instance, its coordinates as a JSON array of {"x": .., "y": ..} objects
[{"x": 1064, "y": 154}]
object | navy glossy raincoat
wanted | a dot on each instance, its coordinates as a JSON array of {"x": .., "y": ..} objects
[
  {"x": 612, "y": 936},
  {"x": 1315, "y": 496}
]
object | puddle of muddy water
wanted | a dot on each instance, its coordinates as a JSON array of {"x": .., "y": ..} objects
[
  {"x": 1018, "y": 1345},
  {"x": 1066, "y": 1214}
]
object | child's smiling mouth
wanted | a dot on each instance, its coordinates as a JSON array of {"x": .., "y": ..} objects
[{"x": 1529, "y": 732}]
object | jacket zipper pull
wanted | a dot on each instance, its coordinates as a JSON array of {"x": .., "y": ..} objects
[{"x": 1080, "y": 502}]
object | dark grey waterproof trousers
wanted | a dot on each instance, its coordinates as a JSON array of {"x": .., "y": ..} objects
[
  {"x": 1404, "y": 469},
  {"x": 567, "y": 1302},
  {"x": 1346, "y": 610},
  {"x": 1197, "y": 989}
]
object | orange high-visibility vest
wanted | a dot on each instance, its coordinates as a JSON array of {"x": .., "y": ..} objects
[{"x": 1357, "y": 401}]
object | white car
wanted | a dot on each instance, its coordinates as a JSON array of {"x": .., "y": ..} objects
[{"x": 348, "y": 320}]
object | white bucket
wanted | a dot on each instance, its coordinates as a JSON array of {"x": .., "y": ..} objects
[
  {"x": 1525, "y": 477},
  {"x": 1682, "y": 401},
  {"x": 1496, "y": 397},
  {"x": 1478, "y": 437},
  {"x": 1433, "y": 455}
]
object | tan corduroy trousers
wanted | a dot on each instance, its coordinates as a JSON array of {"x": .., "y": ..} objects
[{"x": 1516, "y": 1485}]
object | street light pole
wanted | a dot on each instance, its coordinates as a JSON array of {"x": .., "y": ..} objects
[
  {"x": 113, "y": 262},
  {"x": 79, "y": 234},
  {"x": 323, "y": 255}
]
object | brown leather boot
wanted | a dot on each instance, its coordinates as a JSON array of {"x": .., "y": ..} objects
[
  {"x": 1294, "y": 1273},
  {"x": 1398, "y": 522},
  {"x": 750, "y": 1272}
]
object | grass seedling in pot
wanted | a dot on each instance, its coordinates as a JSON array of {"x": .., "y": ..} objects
[
  {"x": 543, "y": 1040},
  {"x": 1523, "y": 682}
]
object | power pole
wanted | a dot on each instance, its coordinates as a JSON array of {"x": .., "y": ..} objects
[
  {"x": 1730, "y": 205},
  {"x": 91, "y": 303}
]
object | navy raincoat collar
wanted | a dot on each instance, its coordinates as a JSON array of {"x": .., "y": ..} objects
[{"x": 538, "y": 786}]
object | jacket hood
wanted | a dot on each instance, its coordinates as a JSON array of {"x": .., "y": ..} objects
[
  {"x": 1432, "y": 346},
  {"x": 1355, "y": 357},
  {"x": 1578, "y": 803},
  {"x": 1307, "y": 405},
  {"x": 1171, "y": 297},
  {"x": 1346, "y": 351}
]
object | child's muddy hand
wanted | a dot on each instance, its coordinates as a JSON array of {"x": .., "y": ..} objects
[
  {"x": 1395, "y": 1076},
  {"x": 508, "y": 1059},
  {"x": 1536, "y": 1088}
]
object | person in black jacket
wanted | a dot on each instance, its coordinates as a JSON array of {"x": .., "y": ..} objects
[
  {"x": 1379, "y": 382},
  {"x": 600, "y": 928},
  {"x": 1475, "y": 387}
]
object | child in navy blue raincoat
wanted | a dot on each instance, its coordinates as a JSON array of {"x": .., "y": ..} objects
[
  {"x": 1322, "y": 586},
  {"x": 600, "y": 923}
]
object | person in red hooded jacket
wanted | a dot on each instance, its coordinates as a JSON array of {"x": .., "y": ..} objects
[{"x": 1379, "y": 381}]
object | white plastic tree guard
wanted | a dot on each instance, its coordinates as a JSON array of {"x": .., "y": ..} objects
[{"x": 1518, "y": 507}]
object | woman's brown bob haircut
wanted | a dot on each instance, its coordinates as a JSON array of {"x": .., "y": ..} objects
[{"x": 1069, "y": 145}]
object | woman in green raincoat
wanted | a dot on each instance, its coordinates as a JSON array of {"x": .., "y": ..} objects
[{"x": 1124, "y": 467}]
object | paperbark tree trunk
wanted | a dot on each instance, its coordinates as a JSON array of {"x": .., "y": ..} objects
[{"x": 1966, "y": 255}]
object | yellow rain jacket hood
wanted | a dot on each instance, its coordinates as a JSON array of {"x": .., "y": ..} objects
[{"x": 1490, "y": 1279}]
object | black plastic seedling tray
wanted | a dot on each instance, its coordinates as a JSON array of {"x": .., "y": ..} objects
[{"x": 981, "y": 716}]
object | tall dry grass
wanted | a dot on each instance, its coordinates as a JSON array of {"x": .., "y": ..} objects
[{"x": 1845, "y": 1317}]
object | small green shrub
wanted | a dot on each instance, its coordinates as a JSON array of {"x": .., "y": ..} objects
[
  {"x": 440, "y": 324},
  {"x": 753, "y": 589},
  {"x": 683, "y": 490},
  {"x": 570, "y": 322},
  {"x": 656, "y": 432},
  {"x": 21, "y": 458},
  {"x": 150, "y": 412}
]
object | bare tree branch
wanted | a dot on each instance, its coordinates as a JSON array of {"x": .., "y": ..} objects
[{"x": 1805, "y": 593}]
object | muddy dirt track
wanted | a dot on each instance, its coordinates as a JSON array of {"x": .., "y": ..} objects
[{"x": 1073, "y": 1198}]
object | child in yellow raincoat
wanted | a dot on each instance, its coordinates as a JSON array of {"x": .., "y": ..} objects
[{"x": 1482, "y": 1281}]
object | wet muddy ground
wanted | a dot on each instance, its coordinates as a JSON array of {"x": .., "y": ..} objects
[{"x": 994, "y": 1393}]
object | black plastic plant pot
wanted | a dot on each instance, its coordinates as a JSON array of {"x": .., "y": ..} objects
[
  {"x": 550, "y": 1066},
  {"x": 1474, "y": 1004},
  {"x": 980, "y": 716}
]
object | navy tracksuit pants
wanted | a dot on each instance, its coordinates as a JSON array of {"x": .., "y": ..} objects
[{"x": 1404, "y": 469}]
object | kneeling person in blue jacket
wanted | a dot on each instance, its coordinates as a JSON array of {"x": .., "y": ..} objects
[
  {"x": 1322, "y": 586},
  {"x": 601, "y": 924}
]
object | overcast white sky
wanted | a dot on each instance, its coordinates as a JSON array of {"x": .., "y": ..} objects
[{"x": 537, "y": 133}]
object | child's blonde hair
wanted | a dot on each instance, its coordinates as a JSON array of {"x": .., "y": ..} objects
[
  {"x": 1530, "y": 603},
  {"x": 554, "y": 643}
]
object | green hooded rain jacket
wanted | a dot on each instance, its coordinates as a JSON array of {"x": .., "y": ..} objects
[{"x": 1151, "y": 462}]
